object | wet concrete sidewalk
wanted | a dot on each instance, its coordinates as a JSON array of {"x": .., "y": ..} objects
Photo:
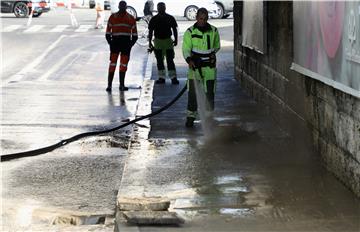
[{"x": 249, "y": 175}]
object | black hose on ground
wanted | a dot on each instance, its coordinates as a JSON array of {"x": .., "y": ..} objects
[{"x": 64, "y": 142}]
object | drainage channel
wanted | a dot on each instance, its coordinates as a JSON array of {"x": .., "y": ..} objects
[{"x": 78, "y": 220}]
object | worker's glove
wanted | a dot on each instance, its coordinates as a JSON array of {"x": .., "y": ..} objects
[
  {"x": 151, "y": 48},
  {"x": 193, "y": 62},
  {"x": 212, "y": 59},
  {"x": 190, "y": 62},
  {"x": 197, "y": 62}
]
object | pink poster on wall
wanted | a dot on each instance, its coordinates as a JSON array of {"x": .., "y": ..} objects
[{"x": 327, "y": 43}]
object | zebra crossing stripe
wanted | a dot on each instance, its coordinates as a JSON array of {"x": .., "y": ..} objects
[
  {"x": 32, "y": 65},
  {"x": 84, "y": 28},
  {"x": 34, "y": 28},
  {"x": 11, "y": 28},
  {"x": 38, "y": 28},
  {"x": 59, "y": 28}
]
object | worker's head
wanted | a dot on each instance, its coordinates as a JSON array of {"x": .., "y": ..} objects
[
  {"x": 161, "y": 7},
  {"x": 202, "y": 17},
  {"x": 122, "y": 6}
]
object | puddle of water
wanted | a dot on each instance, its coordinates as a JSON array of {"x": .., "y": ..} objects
[
  {"x": 208, "y": 201},
  {"x": 227, "y": 179},
  {"x": 236, "y": 211},
  {"x": 188, "y": 215},
  {"x": 191, "y": 203},
  {"x": 234, "y": 189},
  {"x": 189, "y": 192}
]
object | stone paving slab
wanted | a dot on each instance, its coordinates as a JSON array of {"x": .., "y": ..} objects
[{"x": 143, "y": 204}]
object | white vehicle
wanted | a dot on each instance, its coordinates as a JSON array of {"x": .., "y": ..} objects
[
  {"x": 225, "y": 7},
  {"x": 187, "y": 8}
]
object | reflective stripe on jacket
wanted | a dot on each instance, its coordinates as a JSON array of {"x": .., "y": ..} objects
[
  {"x": 121, "y": 25},
  {"x": 202, "y": 45},
  {"x": 199, "y": 42}
]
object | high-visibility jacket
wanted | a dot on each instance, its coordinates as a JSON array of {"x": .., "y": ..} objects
[
  {"x": 202, "y": 45},
  {"x": 121, "y": 26}
]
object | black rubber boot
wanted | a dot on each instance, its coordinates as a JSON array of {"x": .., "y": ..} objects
[
  {"x": 174, "y": 81},
  {"x": 160, "y": 81},
  {"x": 189, "y": 122},
  {"x": 122, "y": 82},
  {"x": 110, "y": 80}
]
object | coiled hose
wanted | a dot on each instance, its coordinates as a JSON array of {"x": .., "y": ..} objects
[{"x": 64, "y": 142}]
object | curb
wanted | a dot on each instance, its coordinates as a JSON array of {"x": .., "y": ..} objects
[{"x": 138, "y": 132}]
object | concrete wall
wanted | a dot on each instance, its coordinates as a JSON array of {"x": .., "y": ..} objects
[{"x": 301, "y": 105}]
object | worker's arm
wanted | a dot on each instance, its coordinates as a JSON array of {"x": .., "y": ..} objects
[
  {"x": 150, "y": 38},
  {"x": 151, "y": 32},
  {"x": 216, "y": 41},
  {"x": 186, "y": 48},
  {"x": 134, "y": 35},
  {"x": 108, "y": 31},
  {"x": 175, "y": 32}
]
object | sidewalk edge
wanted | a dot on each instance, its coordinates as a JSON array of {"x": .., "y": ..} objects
[{"x": 144, "y": 92}]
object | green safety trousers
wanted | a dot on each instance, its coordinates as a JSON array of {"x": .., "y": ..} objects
[
  {"x": 207, "y": 84},
  {"x": 165, "y": 48}
]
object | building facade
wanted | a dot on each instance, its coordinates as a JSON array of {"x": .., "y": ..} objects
[{"x": 307, "y": 75}]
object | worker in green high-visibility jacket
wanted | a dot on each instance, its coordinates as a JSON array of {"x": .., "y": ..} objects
[{"x": 200, "y": 44}]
